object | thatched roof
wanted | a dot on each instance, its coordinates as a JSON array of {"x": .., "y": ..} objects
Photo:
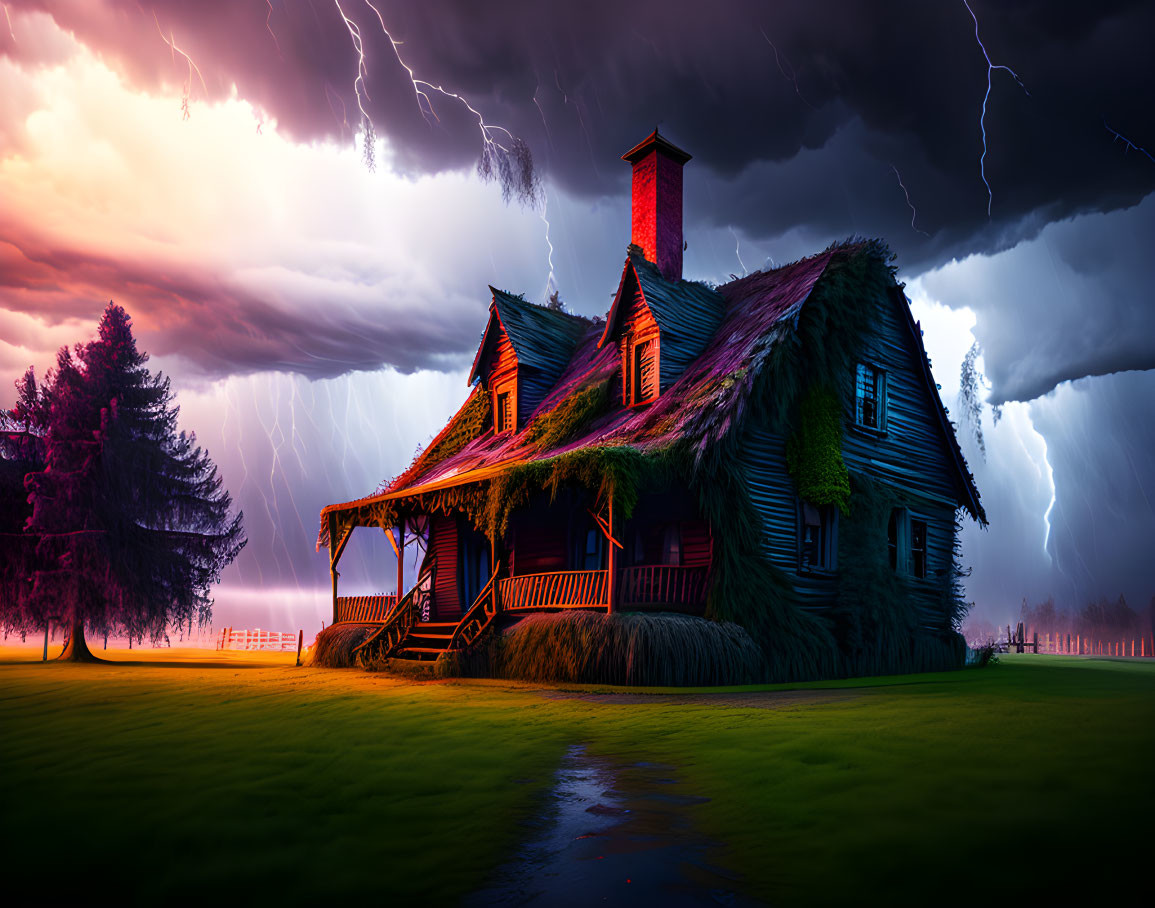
[{"x": 709, "y": 399}]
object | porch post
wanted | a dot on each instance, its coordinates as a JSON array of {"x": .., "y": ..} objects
[
  {"x": 334, "y": 554},
  {"x": 401, "y": 560},
  {"x": 492, "y": 570},
  {"x": 611, "y": 562}
]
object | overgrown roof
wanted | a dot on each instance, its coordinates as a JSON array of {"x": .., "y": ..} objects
[
  {"x": 543, "y": 338},
  {"x": 710, "y": 399},
  {"x": 687, "y": 312}
]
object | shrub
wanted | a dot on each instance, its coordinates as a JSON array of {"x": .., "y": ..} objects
[
  {"x": 334, "y": 646},
  {"x": 658, "y": 649}
]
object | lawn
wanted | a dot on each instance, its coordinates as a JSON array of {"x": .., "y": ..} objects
[{"x": 207, "y": 778}]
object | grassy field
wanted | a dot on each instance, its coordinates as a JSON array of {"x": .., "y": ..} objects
[{"x": 192, "y": 776}]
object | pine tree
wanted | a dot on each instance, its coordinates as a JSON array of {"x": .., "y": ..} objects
[{"x": 132, "y": 525}]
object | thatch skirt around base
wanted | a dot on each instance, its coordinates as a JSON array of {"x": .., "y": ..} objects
[
  {"x": 334, "y": 646},
  {"x": 655, "y": 649}
]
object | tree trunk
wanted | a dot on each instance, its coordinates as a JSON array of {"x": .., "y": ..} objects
[{"x": 77, "y": 649}]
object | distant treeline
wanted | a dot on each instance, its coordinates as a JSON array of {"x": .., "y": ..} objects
[{"x": 1103, "y": 619}]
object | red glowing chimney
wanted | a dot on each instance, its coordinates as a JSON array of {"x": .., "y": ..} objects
[{"x": 657, "y": 202}]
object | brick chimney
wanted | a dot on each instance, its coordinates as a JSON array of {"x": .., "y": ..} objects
[{"x": 657, "y": 202}]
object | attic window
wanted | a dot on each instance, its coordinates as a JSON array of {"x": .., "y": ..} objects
[
  {"x": 870, "y": 397},
  {"x": 640, "y": 370},
  {"x": 505, "y": 408}
]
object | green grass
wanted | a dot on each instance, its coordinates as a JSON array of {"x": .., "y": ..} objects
[{"x": 218, "y": 782}]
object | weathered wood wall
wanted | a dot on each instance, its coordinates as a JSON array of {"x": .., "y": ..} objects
[
  {"x": 637, "y": 326},
  {"x": 910, "y": 457}
]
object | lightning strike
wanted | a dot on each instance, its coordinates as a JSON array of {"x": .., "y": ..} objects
[
  {"x": 909, "y": 203},
  {"x": 269, "y": 28},
  {"x": 792, "y": 75},
  {"x": 737, "y": 252},
  {"x": 991, "y": 67},
  {"x": 1128, "y": 145},
  {"x": 368, "y": 131},
  {"x": 192, "y": 68},
  {"x": 550, "y": 281},
  {"x": 9, "y": 20}
]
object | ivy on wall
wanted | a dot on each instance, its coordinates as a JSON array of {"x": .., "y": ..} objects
[{"x": 814, "y": 451}]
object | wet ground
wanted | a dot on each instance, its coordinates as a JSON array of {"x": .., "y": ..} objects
[{"x": 615, "y": 834}]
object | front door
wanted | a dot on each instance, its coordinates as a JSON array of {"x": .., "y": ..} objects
[{"x": 472, "y": 566}]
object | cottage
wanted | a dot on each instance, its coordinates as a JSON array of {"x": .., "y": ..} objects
[{"x": 771, "y": 452}]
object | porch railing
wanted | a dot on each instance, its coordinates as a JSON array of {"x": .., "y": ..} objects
[
  {"x": 365, "y": 608},
  {"x": 663, "y": 586},
  {"x": 557, "y": 589}
]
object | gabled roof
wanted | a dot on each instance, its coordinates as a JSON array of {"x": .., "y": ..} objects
[
  {"x": 543, "y": 339},
  {"x": 708, "y": 400},
  {"x": 687, "y": 312}
]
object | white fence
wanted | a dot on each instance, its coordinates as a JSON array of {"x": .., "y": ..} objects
[{"x": 256, "y": 639}]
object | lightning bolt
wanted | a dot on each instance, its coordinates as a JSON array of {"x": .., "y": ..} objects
[
  {"x": 991, "y": 67},
  {"x": 790, "y": 76},
  {"x": 269, "y": 28},
  {"x": 909, "y": 203},
  {"x": 503, "y": 155},
  {"x": 1128, "y": 145},
  {"x": 550, "y": 281},
  {"x": 368, "y": 131},
  {"x": 9, "y": 18},
  {"x": 192, "y": 68},
  {"x": 737, "y": 253}
]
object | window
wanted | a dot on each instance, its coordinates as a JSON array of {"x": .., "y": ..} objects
[
  {"x": 645, "y": 372},
  {"x": 906, "y": 543},
  {"x": 639, "y": 370},
  {"x": 918, "y": 548},
  {"x": 817, "y": 537},
  {"x": 870, "y": 397},
  {"x": 505, "y": 408}
]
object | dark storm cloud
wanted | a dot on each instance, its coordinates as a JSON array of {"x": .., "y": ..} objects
[
  {"x": 1074, "y": 302},
  {"x": 581, "y": 82},
  {"x": 217, "y": 328},
  {"x": 801, "y": 116}
]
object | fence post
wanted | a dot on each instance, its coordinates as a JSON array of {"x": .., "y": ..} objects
[{"x": 300, "y": 640}]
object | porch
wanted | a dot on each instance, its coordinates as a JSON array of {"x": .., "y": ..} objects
[{"x": 641, "y": 587}]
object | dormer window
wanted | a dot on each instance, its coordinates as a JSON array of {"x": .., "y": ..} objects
[
  {"x": 505, "y": 407},
  {"x": 870, "y": 397},
  {"x": 642, "y": 380}
]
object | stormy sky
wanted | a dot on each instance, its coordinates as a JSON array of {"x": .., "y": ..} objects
[{"x": 204, "y": 165}]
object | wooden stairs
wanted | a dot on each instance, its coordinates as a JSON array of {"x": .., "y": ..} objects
[
  {"x": 403, "y": 637},
  {"x": 426, "y": 640}
]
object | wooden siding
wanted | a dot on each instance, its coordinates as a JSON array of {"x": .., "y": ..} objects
[
  {"x": 637, "y": 327},
  {"x": 926, "y": 592},
  {"x": 773, "y": 497},
  {"x": 443, "y": 546},
  {"x": 911, "y": 453},
  {"x": 500, "y": 374}
]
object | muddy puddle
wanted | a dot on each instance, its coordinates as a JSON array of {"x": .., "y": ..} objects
[{"x": 614, "y": 834}]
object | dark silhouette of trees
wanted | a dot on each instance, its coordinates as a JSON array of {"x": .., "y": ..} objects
[{"x": 125, "y": 521}]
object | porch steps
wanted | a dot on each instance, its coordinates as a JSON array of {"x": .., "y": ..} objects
[{"x": 426, "y": 641}]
